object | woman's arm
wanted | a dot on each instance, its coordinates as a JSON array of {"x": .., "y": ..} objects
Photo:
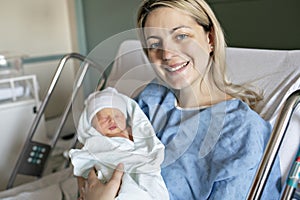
[{"x": 95, "y": 190}]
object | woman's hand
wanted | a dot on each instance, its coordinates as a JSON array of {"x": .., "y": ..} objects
[{"x": 95, "y": 190}]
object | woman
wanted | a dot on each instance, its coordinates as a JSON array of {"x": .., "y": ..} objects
[{"x": 214, "y": 140}]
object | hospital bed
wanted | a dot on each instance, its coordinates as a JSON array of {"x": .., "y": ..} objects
[{"x": 275, "y": 71}]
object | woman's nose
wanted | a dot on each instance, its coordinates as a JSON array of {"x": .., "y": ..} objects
[
  {"x": 168, "y": 51},
  {"x": 167, "y": 54}
]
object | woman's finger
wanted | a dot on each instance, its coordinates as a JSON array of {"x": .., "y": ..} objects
[
  {"x": 82, "y": 192},
  {"x": 95, "y": 190},
  {"x": 115, "y": 182},
  {"x": 118, "y": 173},
  {"x": 92, "y": 178}
]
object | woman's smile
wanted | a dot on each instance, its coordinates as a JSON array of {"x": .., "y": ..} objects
[{"x": 177, "y": 67}]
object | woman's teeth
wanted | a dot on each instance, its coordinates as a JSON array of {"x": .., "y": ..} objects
[{"x": 173, "y": 69}]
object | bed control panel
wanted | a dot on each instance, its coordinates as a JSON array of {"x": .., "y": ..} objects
[{"x": 35, "y": 158}]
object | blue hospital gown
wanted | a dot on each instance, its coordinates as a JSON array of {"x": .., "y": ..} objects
[{"x": 210, "y": 153}]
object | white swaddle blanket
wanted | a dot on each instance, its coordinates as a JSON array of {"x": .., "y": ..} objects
[{"x": 141, "y": 158}]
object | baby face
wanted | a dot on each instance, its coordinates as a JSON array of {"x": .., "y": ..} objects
[{"x": 111, "y": 122}]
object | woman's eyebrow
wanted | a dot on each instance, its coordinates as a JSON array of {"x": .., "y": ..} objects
[
  {"x": 171, "y": 32},
  {"x": 179, "y": 27},
  {"x": 152, "y": 37}
]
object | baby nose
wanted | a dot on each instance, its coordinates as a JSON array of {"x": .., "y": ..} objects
[{"x": 112, "y": 119}]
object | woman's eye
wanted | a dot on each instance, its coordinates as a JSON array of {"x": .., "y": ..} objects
[
  {"x": 155, "y": 45},
  {"x": 181, "y": 36}
]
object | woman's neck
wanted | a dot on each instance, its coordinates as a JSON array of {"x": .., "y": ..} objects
[{"x": 202, "y": 93}]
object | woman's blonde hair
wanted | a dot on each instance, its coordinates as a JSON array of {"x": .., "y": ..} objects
[{"x": 203, "y": 14}]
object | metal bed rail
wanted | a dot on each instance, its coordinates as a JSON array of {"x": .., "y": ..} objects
[
  {"x": 292, "y": 180},
  {"x": 277, "y": 136},
  {"x": 34, "y": 155}
]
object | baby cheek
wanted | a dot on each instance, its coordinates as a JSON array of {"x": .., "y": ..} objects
[
  {"x": 121, "y": 124},
  {"x": 96, "y": 125}
]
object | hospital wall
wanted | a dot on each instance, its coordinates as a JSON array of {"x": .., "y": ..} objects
[
  {"x": 41, "y": 30},
  {"x": 270, "y": 24}
]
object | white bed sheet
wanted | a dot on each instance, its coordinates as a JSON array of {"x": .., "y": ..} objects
[{"x": 56, "y": 186}]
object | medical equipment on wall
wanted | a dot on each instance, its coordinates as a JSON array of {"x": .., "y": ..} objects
[
  {"x": 276, "y": 71},
  {"x": 11, "y": 65}
]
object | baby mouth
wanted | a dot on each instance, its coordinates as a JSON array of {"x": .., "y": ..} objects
[
  {"x": 173, "y": 69},
  {"x": 112, "y": 128}
]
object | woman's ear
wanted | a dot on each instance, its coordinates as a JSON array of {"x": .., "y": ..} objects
[
  {"x": 211, "y": 40},
  {"x": 211, "y": 37}
]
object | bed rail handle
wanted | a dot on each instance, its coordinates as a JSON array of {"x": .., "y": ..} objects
[
  {"x": 51, "y": 87},
  {"x": 292, "y": 179},
  {"x": 273, "y": 145}
]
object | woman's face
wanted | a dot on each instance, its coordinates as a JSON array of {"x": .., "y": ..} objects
[
  {"x": 111, "y": 122},
  {"x": 177, "y": 46}
]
